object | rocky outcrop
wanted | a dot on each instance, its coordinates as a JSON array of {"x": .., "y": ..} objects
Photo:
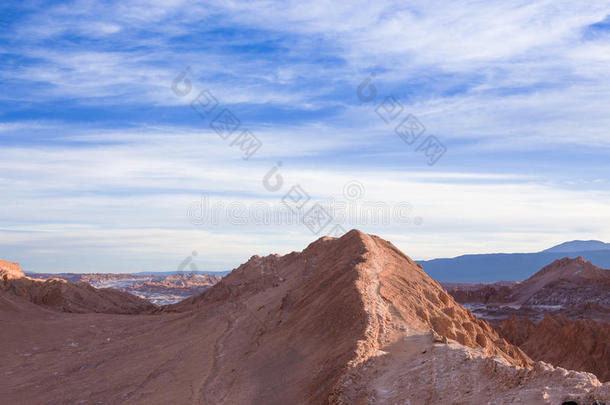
[
  {"x": 483, "y": 293},
  {"x": 187, "y": 284},
  {"x": 10, "y": 270},
  {"x": 575, "y": 344}
]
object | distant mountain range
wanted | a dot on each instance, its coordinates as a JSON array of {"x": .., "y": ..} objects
[
  {"x": 579, "y": 246},
  {"x": 489, "y": 268}
]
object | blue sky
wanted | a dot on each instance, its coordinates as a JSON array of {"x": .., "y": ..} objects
[{"x": 101, "y": 161}]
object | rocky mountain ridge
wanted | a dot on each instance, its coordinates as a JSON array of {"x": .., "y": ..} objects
[
  {"x": 346, "y": 321},
  {"x": 566, "y": 284},
  {"x": 159, "y": 289},
  {"x": 65, "y": 296}
]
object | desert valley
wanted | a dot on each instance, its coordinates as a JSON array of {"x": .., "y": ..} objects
[
  {"x": 157, "y": 288},
  {"x": 398, "y": 202},
  {"x": 349, "y": 320}
]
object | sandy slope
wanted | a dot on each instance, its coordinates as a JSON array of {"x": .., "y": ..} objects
[{"x": 349, "y": 321}]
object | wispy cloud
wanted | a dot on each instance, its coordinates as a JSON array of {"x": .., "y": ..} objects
[{"x": 95, "y": 144}]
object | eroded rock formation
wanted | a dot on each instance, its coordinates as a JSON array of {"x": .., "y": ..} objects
[{"x": 574, "y": 344}]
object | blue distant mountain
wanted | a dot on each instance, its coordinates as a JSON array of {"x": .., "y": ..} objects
[
  {"x": 489, "y": 268},
  {"x": 580, "y": 246}
]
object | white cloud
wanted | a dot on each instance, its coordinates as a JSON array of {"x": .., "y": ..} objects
[
  {"x": 129, "y": 199},
  {"x": 526, "y": 80}
]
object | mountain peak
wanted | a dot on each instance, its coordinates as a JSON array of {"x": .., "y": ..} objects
[
  {"x": 568, "y": 268},
  {"x": 563, "y": 275},
  {"x": 368, "y": 288},
  {"x": 347, "y": 320},
  {"x": 579, "y": 246}
]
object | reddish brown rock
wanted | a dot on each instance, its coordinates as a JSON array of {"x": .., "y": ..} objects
[
  {"x": 574, "y": 288},
  {"x": 159, "y": 289},
  {"x": 346, "y": 321},
  {"x": 64, "y": 296},
  {"x": 566, "y": 282},
  {"x": 483, "y": 293},
  {"x": 10, "y": 270},
  {"x": 575, "y": 344}
]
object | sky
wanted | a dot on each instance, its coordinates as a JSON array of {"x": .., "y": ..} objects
[{"x": 134, "y": 133}]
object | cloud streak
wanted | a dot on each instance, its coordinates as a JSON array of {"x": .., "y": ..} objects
[{"x": 95, "y": 144}]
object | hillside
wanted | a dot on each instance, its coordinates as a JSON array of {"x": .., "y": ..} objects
[
  {"x": 65, "y": 296},
  {"x": 560, "y": 314},
  {"x": 565, "y": 282},
  {"x": 571, "y": 287},
  {"x": 160, "y": 289},
  {"x": 346, "y": 321},
  {"x": 574, "y": 344}
]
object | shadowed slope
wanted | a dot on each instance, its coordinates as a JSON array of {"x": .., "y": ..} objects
[{"x": 575, "y": 344}]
